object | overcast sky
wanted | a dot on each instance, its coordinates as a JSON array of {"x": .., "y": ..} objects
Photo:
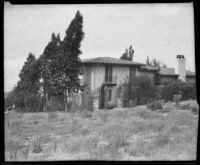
[{"x": 159, "y": 31}]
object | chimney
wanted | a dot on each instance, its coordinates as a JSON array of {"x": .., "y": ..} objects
[{"x": 180, "y": 68}]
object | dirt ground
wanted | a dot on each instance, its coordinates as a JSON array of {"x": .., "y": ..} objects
[{"x": 118, "y": 134}]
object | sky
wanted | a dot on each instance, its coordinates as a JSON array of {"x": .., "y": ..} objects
[{"x": 160, "y": 31}]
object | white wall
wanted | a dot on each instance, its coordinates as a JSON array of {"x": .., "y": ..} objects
[
  {"x": 98, "y": 76},
  {"x": 121, "y": 72}
]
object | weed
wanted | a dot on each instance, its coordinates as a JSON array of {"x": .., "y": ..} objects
[
  {"x": 162, "y": 140},
  {"x": 37, "y": 145},
  {"x": 116, "y": 135},
  {"x": 52, "y": 116},
  {"x": 103, "y": 116},
  {"x": 13, "y": 147},
  {"x": 26, "y": 151}
]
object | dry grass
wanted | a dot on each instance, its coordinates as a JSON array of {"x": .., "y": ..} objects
[{"x": 119, "y": 134}]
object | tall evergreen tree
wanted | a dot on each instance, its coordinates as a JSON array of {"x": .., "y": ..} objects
[
  {"x": 48, "y": 67},
  {"x": 28, "y": 84},
  {"x": 29, "y": 77},
  {"x": 128, "y": 54},
  {"x": 68, "y": 63}
]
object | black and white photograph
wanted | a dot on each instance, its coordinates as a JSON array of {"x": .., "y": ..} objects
[{"x": 112, "y": 82}]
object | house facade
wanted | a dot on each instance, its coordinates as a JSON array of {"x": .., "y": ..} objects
[{"x": 103, "y": 75}]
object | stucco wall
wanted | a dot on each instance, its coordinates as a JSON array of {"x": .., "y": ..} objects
[
  {"x": 121, "y": 72},
  {"x": 99, "y": 76}
]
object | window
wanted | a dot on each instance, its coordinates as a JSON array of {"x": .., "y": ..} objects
[
  {"x": 110, "y": 95},
  {"x": 108, "y": 74}
]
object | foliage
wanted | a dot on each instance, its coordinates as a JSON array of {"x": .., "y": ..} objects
[
  {"x": 9, "y": 100},
  {"x": 26, "y": 91},
  {"x": 195, "y": 110},
  {"x": 110, "y": 105},
  {"x": 139, "y": 89},
  {"x": 155, "y": 63},
  {"x": 169, "y": 89},
  {"x": 154, "y": 106},
  {"x": 128, "y": 54},
  {"x": 32, "y": 101},
  {"x": 55, "y": 104},
  {"x": 29, "y": 75},
  {"x": 177, "y": 98},
  {"x": 49, "y": 64}
]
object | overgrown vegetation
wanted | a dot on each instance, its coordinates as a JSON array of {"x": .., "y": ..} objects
[
  {"x": 141, "y": 90},
  {"x": 130, "y": 134}
]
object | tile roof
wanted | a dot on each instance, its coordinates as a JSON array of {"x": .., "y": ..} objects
[
  {"x": 149, "y": 68},
  {"x": 171, "y": 72},
  {"x": 168, "y": 71},
  {"x": 190, "y": 73},
  {"x": 109, "y": 60}
]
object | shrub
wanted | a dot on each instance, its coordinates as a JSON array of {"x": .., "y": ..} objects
[
  {"x": 9, "y": 100},
  {"x": 177, "y": 98},
  {"x": 37, "y": 145},
  {"x": 110, "y": 105},
  {"x": 32, "y": 101},
  {"x": 55, "y": 104},
  {"x": 169, "y": 89},
  {"x": 154, "y": 106},
  {"x": 140, "y": 88},
  {"x": 195, "y": 109}
]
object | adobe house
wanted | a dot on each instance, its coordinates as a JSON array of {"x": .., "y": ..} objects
[{"x": 104, "y": 74}]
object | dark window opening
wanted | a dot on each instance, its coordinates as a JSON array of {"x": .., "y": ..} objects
[
  {"x": 109, "y": 95},
  {"x": 108, "y": 74}
]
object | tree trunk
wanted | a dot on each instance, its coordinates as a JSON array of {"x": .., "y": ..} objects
[
  {"x": 65, "y": 100},
  {"x": 45, "y": 101}
]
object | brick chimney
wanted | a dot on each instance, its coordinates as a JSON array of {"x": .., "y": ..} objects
[{"x": 180, "y": 68}]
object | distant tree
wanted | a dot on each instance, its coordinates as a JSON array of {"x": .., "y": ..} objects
[
  {"x": 155, "y": 63},
  {"x": 128, "y": 54},
  {"x": 28, "y": 83},
  {"x": 147, "y": 61},
  {"x": 29, "y": 75}
]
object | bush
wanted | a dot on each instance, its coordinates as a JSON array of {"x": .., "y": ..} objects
[
  {"x": 9, "y": 100},
  {"x": 195, "y": 110},
  {"x": 55, "y": 104},
  {"x": 140, "y": 88},
  {"x": 32, "y": 101},
  {"x": 154, "y": 106},
  {"x": 110, "y": 105},
  {"x": 169, "y": 89},
  {"x": 177, "y": 98}
]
